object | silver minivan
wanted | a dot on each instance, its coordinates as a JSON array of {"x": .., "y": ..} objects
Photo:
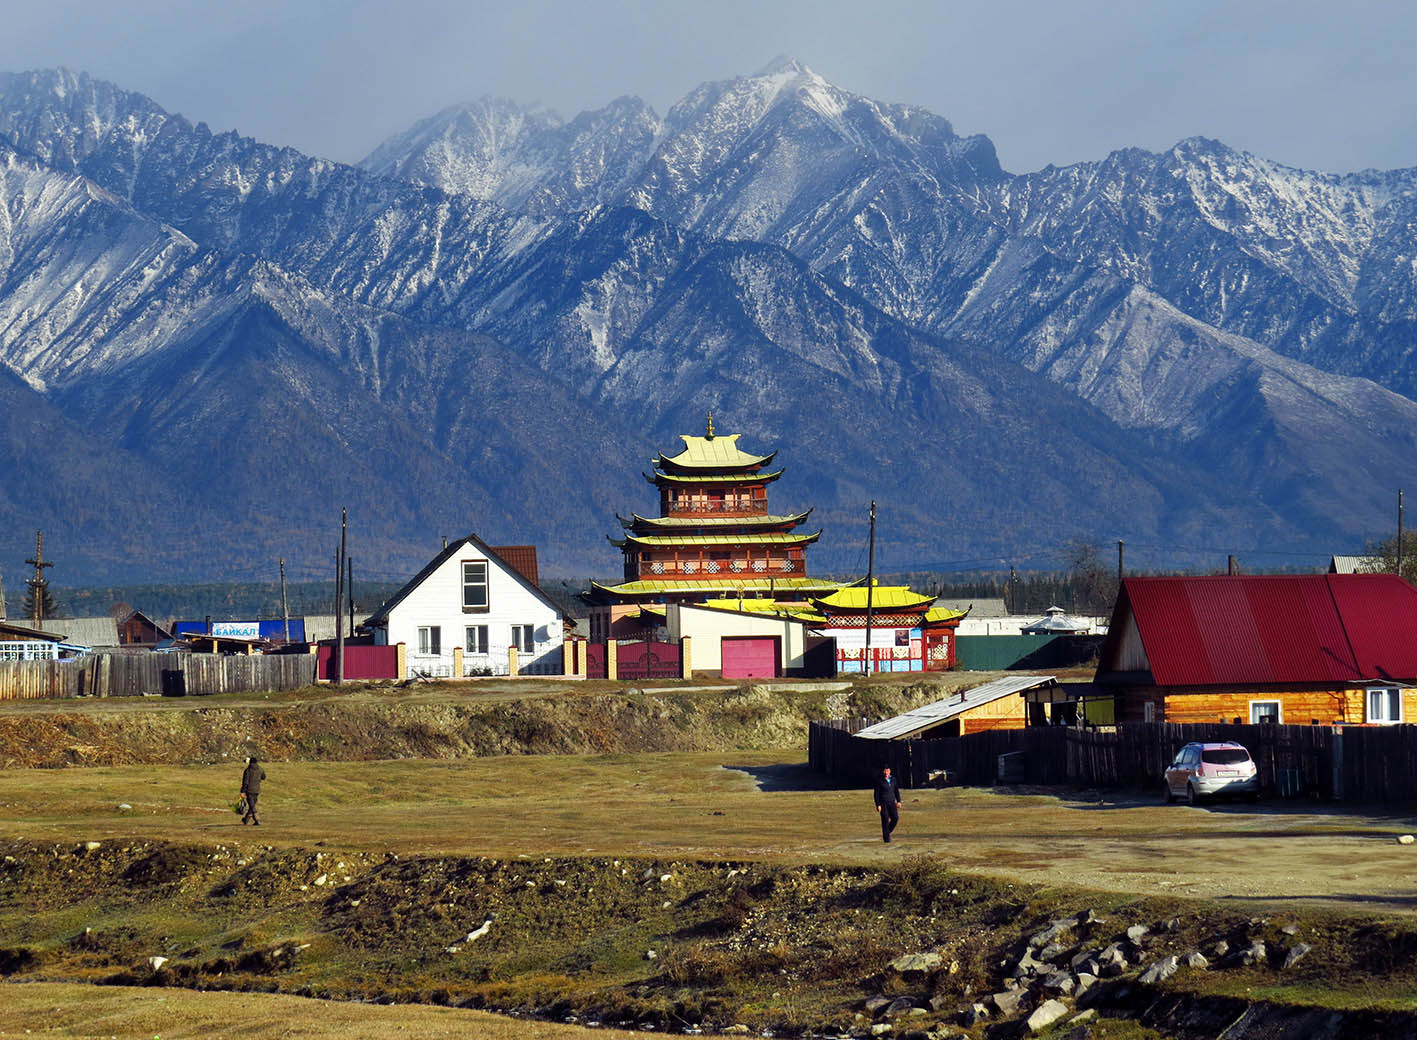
[{"x": 1206, "y": 770}]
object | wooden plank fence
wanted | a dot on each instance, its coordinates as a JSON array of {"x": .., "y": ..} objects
[
  {"x": 1372, "y": 764},
  {"x": 137, "y": 675}
]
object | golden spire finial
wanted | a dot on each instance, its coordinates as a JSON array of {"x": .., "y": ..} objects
[{"x": 709, "y": 434}]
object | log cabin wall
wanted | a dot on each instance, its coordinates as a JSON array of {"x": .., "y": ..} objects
[{"x": 1323, "y": 706}]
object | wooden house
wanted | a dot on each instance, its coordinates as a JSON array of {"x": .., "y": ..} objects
[
  {"x": 22, "y": 643},
  {"x": 467, "y": 609},
  {"x": 1313, "y": 649},
  {"x": 139, "y": 631}
]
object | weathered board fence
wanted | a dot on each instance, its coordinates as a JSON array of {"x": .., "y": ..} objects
[
  {"x": 1355, "y": 763},
  {"x": 137, "y": 675}
]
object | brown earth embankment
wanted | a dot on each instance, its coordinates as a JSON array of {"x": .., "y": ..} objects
[{"x": 458, "y": 721}]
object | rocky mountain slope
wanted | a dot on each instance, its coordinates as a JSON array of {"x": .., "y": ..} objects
[{"x": 494, "y": 320}]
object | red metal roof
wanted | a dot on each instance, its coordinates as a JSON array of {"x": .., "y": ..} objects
[
  {"x": 1257, "y": 629},
  {"x": 522, "y": 559}
]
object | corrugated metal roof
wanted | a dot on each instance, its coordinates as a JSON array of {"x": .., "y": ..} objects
[
  {"x": 1354, "y": 564},
  {"x": 88, "y": 631},
  {"x": 1379, "y": 612},
  {"x": 930, "y": 715},
  {"x": 1266, "y": 629}
]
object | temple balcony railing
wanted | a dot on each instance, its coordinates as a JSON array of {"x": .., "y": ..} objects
[
  {"x": 718, "y": 509},
  {"x": 720, "y": 568}
]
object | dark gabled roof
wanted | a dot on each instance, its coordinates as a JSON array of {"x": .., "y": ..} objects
[
  {"x": 1265, "y": 629},
  {"x": 9, "y": 629},
  {"x": 451, "y": 549}
]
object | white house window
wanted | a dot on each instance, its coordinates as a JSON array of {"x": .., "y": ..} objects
[
  {"x": 1265, "y": 711},
  {"x": 430, "y": 640},
  {"x": 1384, "y": 704},
  {"x": 474, "y": 585},
  {"x": 477, "y": 639},
  {"x": 1148, "y": 711},
  {"x": 524, "y": 637}
]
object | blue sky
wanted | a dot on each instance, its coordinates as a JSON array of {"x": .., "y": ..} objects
[{"x": 1317, "y": 85}]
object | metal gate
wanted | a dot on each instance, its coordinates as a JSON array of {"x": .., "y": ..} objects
[
  {"x": 595, "y": 660},
  {"x": 647, "y": 660}
]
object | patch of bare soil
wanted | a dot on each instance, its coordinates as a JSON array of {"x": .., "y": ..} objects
[{"x": 678, "y": 944}]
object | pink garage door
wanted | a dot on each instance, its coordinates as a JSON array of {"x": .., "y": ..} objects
[{"x": 749, "y": 657}]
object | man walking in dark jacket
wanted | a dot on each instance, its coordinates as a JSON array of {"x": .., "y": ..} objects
[
  {"x": 887, "y": 803},
  {"x": 251, "y": 789}
]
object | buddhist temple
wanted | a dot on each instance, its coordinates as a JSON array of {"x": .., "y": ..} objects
[
  {"x": 715, "y": 537},
  {"x": 907, "y": 632}
]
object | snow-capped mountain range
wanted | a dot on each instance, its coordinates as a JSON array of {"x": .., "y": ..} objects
[{"x": 208, "y": 344}]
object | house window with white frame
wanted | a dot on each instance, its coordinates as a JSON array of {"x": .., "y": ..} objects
[
  {"x": 1265, "y": 711},
  {"x": 474, "y": 586},
  {"x": 477, "y": 639},
  {"x": 524, "y": 637},
  {"x": 1384, "y": 705},
  {"x": 430, "y": 640}
]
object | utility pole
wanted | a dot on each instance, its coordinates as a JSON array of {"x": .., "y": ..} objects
[
  {"x": 2, "y": 597},
  {"x": 1121, "y": 560},
  {"x": 349, "y": 580},
  {"x": 1399, "y": 531},
  {"x": 339, "y": 598},
  {"x": 284, "y": 603},
  {"x": 38, "y": 585},
  {"x": 870, "y": 584}
]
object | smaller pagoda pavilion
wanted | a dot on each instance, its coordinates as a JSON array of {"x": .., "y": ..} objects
[
  {"x": 714, "y": 537},
  {"x": 907, "y": 632}
]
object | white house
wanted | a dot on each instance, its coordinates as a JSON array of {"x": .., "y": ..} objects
[{"x": 470, "y": 598}]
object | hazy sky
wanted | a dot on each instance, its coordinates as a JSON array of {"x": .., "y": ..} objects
[{"x": 1322, "y": 85}]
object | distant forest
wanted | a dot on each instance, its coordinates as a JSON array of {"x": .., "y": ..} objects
[
  {"x": 222, "y": 601},
  {"x": 1087, "y": 587}
]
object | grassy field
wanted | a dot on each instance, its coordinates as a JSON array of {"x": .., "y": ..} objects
[
  {"x": 746, "y": 805},
  {"x": 102, "y": 1012},
  {"x": 652, "y": 884}
]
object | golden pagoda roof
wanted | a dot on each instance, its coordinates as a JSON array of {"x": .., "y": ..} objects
[
  {"x": 714, "y": 478},
  {"x": 663, "y": 541},
  {"x": 767, "y": 607},
  {"x": 712, "y": 453},
  {"x": 935, "y": 614},
  {"x": 883, "y": 597}
]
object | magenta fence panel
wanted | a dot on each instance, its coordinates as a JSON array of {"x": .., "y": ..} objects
[{"x": 361, "y": 662}]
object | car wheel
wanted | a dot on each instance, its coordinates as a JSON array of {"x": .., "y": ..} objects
[
  {"x": 1191, "y": 797},
  {"x": 1170, "y": 794}
]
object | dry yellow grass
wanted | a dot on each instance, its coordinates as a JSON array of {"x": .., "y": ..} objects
[
  {"x": 103, "y": 1012},
  {"x": 740, "y": 805}
]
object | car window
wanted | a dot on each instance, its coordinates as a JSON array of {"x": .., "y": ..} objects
[{"x": 1224, "y": 756}]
